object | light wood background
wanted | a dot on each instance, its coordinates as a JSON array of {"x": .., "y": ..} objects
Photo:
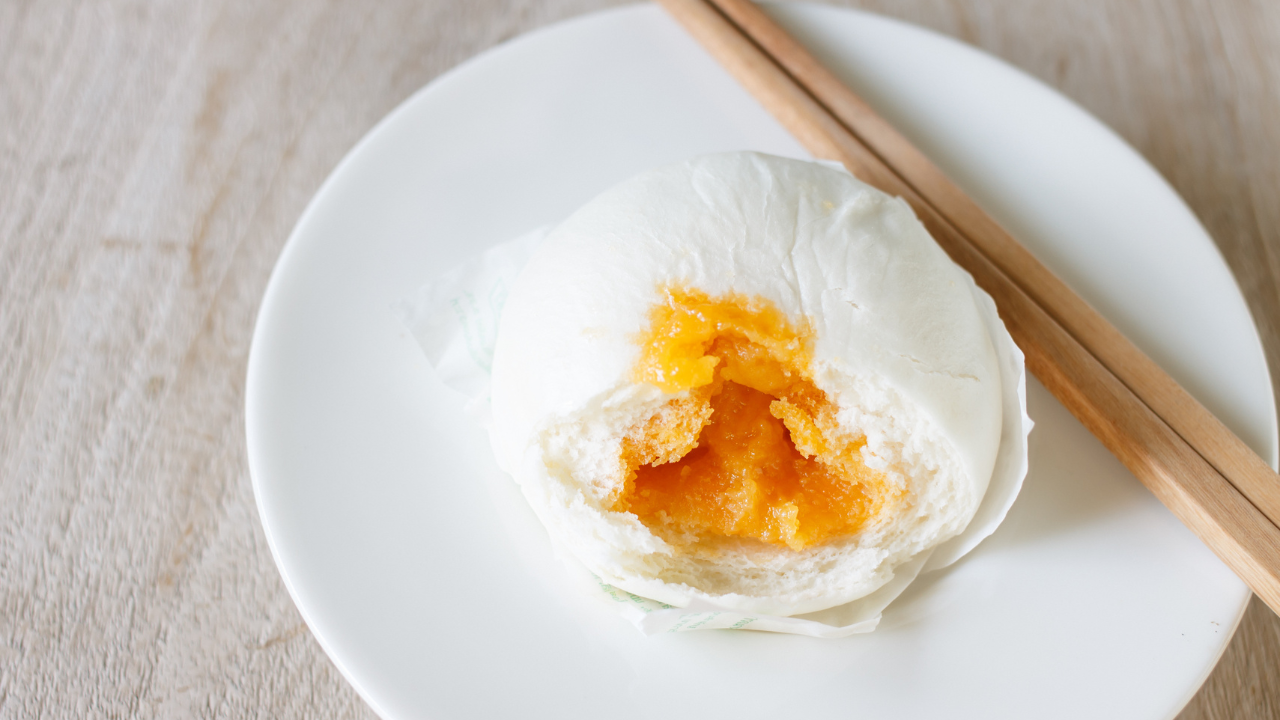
[{"x": 154, "y": 155}]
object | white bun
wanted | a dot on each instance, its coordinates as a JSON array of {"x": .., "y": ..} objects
[{"x": 900, "y": 347}]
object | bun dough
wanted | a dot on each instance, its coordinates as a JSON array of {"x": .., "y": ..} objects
[{"x": 898, "y": 347}]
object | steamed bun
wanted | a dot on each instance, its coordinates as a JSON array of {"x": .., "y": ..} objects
[{"x": 749, "y": 380}]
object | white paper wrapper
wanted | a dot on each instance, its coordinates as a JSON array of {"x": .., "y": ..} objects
[{"x": 454, "y": 317}]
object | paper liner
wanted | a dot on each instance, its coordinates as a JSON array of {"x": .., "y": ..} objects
[{"x": 454, "y": 318}]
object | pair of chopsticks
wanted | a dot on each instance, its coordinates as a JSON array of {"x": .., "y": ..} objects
[{"x": 1198, "y": 468}]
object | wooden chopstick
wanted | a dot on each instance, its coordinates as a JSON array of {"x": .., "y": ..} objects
[
  {"x": 1195, "y": 490},
  {"x": 1250, "y": 474}
]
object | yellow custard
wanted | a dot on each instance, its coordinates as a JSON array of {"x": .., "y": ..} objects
[{"x": 754, "y": 449}]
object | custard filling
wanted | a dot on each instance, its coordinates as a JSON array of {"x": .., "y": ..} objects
[{"x": 753, "y": 450}]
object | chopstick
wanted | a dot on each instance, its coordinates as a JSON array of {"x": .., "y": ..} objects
[
  {"x": 1191, "y": 462},
  {"x": 1250, "y": 474}
]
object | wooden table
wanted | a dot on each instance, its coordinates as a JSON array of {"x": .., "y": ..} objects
[{"x": 155, "y": 156}]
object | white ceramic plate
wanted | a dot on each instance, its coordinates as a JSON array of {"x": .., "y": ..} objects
[{"x": 430, "y": 585}]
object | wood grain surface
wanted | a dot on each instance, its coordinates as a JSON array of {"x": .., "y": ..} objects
[{"x": 154, "y": 155}]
